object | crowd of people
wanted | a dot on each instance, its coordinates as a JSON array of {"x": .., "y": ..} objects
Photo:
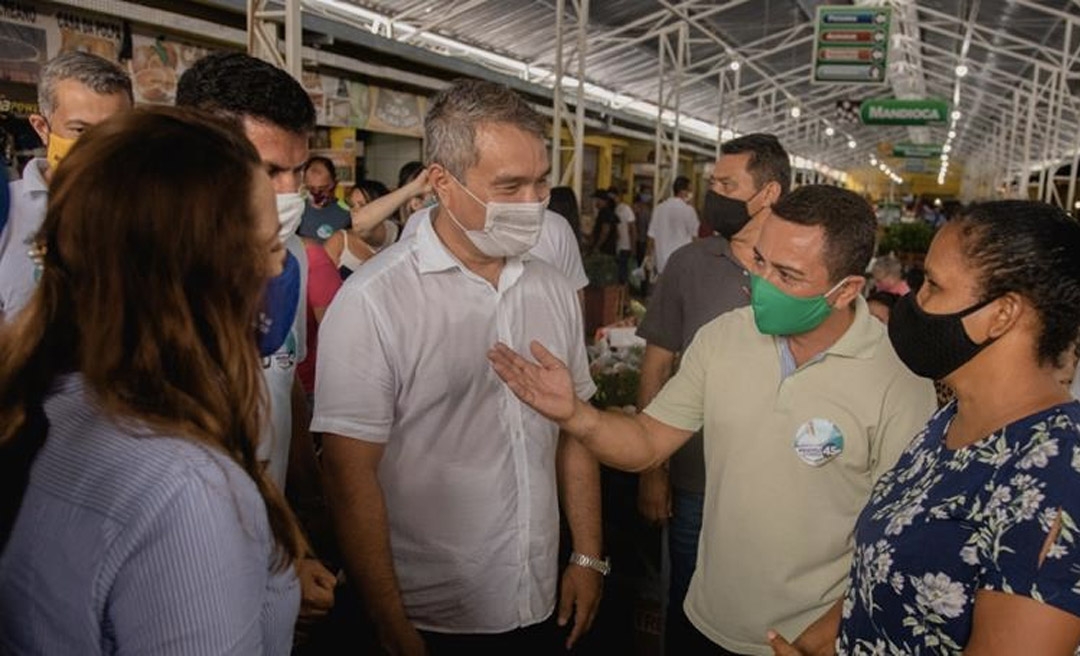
[{"x": 235, "y": 410}]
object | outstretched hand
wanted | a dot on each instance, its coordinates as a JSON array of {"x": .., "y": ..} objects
[{"x": 546, "y": 387}]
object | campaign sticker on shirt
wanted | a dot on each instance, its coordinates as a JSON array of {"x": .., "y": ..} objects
[
  {"x": 325, "y": 231},
  {"x": 818, "y": 441}
]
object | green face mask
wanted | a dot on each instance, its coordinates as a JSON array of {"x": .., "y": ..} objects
[{"x": 778, "y": 313}]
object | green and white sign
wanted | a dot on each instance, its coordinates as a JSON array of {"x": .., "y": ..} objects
[
  {"x": 891, "y": 111},
  {"x": 911, "y": 150},
  {"x": 851, "y": 44}
]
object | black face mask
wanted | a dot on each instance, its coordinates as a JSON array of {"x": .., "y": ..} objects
[
  {"x": 725, "y": 215},
  {"x": 932, "y": 345}
]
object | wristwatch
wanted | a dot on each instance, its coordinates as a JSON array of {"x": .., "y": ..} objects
[{"x": 588, "y": 562}]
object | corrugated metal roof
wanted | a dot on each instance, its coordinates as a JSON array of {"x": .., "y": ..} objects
[{"x": 1007, "y": 42}]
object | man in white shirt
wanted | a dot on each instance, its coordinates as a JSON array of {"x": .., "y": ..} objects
[
  {"x": 674, "y": 224},
  {"x": 443, "y": 487},
  {"x": 557, "y": 244},
  {"x": 627, "y": 233},
  {"x": 77, "y": 90}
]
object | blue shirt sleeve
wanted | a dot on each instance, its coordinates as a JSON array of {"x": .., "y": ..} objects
[{"x": 1022, "y": 508}]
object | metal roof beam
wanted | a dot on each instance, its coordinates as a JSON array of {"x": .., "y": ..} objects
[{"x": 981, "y": 34}]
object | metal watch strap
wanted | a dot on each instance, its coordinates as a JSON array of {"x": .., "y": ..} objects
[{"x": 588, "y": 562}]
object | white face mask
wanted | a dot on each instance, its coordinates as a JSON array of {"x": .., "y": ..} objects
[
  {"x": 290, "y": 209},
  {"x": 510, "y": 229}
]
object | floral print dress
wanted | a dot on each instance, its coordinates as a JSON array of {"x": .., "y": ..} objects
[{"x": 943, "y": 524}]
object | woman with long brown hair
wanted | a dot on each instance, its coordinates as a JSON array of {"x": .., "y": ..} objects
[{"x": 138, "y": 519}]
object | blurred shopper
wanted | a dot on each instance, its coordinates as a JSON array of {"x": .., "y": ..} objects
[
  {"x": 350, "y": 248},
  {"x": 444, "y": 489},
  {"x": 77, "y": 90},
  {"x": 888, "y": 275},
  {"x": 881, "y": 304},
  {"x": 324, "y": 281},
  {"x": 130, "y": 406},
  {"x": 803, "y": 404},
  {"x": 276, "y": 115},
  {"x": 323, "y": 215},
  {"x": 674, "y": 223},
  {"x": 564, "y": 203},
  {"x": 409, "y": 173},
  {"x": 702, "y": 280},
  {"x": 605, "y": 233},
  {"x": 626, "y": 231},
  {"x": 968, "y": 544}
]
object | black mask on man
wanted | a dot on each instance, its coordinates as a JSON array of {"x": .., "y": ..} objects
[
  {"x": 725, "y": 215},
  {"x": 932, "y": 345}
]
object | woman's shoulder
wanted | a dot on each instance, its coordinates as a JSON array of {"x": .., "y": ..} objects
[
  {"x": 125, "y": 469},
  {"x": 1044, "y": 445}
]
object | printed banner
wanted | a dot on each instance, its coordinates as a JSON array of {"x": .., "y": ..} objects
[{"x": 157, "y": 64}]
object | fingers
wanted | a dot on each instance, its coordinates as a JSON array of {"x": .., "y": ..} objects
[
  {"x": 566, "y": 600},
  {"x": 324, "y": 577},
  {"x": 510, "y": 362},
  {"x": 583, "y": 619},
  {"x": 544, "y": 356},
  {"x": 780, "y": 646}
]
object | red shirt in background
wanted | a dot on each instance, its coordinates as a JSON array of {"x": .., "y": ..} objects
[{"x": 323, "y": 282}]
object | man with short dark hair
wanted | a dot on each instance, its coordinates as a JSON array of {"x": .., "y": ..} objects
[
  {"x": 276, "y": 115},
  {"x": 444, "y": 488},
  {"x": 77, "y": 90},
  {"x": 804, "y": 404},
  {"x": 701, "y": 281},
  {"x": 674, "y": 224},
  {"x": 323, "y": 215}
]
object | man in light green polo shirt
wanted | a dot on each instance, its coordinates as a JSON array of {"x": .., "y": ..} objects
[{"x": 803, "y": 404}]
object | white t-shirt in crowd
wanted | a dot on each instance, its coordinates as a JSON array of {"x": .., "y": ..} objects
[
  {"x": 18, "y": 272},
  {"x": 279, "y": 371},
  {"x": 626, "y": 217},
  {"x": 557, "y": 244},
  {"x": 468, "y": 474},
  {"x": 674, "y": 224}
]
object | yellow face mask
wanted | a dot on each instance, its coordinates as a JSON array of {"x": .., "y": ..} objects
[{"x": 58, "y": 149}]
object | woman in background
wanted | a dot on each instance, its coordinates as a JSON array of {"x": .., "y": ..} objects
[
  {"x": 137, "y": 518},
  {"x": 371, "y": 229}
]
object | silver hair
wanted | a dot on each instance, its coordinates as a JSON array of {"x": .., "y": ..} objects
[
  {"x": 888, "y": 265},
  {"x": 100, "y": 75},
  {"x": 455, "y": 113}
]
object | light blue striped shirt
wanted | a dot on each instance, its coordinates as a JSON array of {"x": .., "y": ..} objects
[{"x": 133, "y": 543}]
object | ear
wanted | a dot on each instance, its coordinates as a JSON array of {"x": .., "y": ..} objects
[
  {"x": 41, "y": 127},
  {"x": 1005, "y": 313},
  {"x": 440, "y": 180},
  {"x": 850, "y": 290},
  {"x": 770, "y": 193}
]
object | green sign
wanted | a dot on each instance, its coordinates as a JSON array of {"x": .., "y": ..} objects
[
  {"x": 910, "y": 150},
  {"x": 851, "y": 44},
  {"x": 890, "y": 111}
]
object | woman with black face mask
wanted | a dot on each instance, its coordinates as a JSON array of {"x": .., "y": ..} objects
[{"x": 971, "y": 542}]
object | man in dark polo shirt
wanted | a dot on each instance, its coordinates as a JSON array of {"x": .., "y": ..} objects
[{"x": 701, "y": 281}]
